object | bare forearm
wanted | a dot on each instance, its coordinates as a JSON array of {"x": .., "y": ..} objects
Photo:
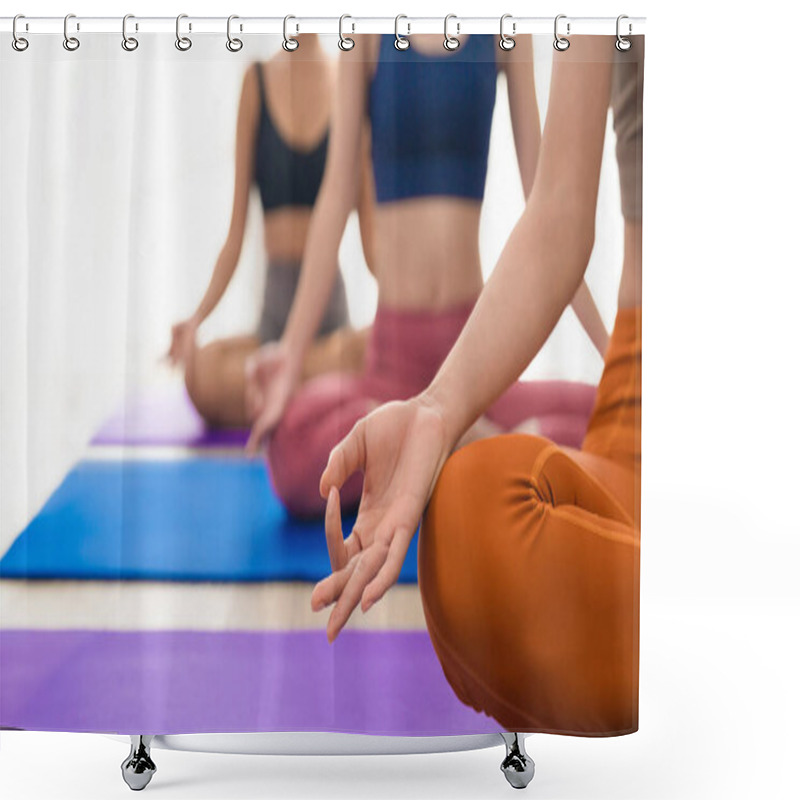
[
  {"x": 220, "y": 278},
  {"x": 528, "y": 160},
  {"x": 537, "y": 275},
  {"x": 318, "y": 272},
  {"x": 524, "y": 110},
  {"x": 544, "y": 260},
  {"x": 586, "y": 311}
]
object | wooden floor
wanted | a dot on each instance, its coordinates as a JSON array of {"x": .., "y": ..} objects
[{"x": 155, "y": 605}]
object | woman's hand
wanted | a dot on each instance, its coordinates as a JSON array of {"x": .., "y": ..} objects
[
  {"x": 183, "y": 341},
  {"x": 271, "y": 376},
  {"x": 401, "y": 448}
]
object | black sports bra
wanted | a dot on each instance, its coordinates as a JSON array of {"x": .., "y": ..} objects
[{"x": 285, "y": 176}]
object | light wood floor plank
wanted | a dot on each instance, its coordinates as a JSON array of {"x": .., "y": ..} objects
[{"x": 154, "y": 605}]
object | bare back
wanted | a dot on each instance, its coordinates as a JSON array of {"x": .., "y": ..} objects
[{"x": 298, "y": 96}]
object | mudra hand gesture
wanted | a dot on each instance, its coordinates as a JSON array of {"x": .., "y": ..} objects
[{"x": 401, "y": 448}]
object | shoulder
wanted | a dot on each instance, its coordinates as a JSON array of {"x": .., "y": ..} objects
[
  {"x": 370, "y": 45},
  {"x": 361, "y": 59},
  {"x": 521, "y": 53},
  {"x": 250, "y": 99},
  {"x": 252, "y": 78}
]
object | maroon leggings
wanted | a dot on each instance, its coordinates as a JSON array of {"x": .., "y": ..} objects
[{"x": 404, "y": 353}]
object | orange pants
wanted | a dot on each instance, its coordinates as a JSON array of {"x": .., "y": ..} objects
[{"x": 529, "y": 566}]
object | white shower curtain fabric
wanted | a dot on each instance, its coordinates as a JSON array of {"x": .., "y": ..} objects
[{"x": 116, "y": 179}]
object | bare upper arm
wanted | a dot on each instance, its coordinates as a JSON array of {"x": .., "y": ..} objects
[
  {"x": 571, "y": 153},
  {"x": 517, "y": 64},
  {"x": 247, "y": 120},
  {"x": 343, "y": 165}
]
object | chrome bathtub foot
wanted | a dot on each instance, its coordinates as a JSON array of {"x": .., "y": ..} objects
[
  {"x": 517, "y": 766},
  {"x": 138, "y": 768}
]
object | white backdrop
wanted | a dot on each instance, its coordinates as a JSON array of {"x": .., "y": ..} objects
[
  {"x": 117, "y": 181},
  {"x": 720, "y": 536}
]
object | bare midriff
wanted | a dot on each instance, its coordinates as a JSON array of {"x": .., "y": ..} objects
[
  {"x": 285, "y": 232},
  {"x": 426, "y": 252}
]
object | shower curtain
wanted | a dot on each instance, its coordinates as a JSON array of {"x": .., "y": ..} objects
[{"x": 154, "y": 576}]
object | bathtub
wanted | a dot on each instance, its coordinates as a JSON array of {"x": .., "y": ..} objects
[{"x": 139, "y": 767}]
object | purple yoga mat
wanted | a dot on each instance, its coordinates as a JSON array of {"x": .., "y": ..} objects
[
  {"x": 371, "y": 682},
  {"x": 164, "y": 416}
]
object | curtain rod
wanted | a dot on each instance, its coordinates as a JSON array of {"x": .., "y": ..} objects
[{"x": 329, "y": 25}]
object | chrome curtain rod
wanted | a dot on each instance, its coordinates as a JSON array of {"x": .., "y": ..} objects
[{"x": 325, "y": 25}]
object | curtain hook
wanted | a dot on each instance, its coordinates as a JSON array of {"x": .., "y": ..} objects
[
  {"x": 345, "y": 42},
  {"x": 401, "y": 42},
  {"x": 19, "y": 43},
  {"x": 71, "y": 43},
  {"x": 622, "y": 44},
  {"x": 290, "y": 44},
  {"x": 129, "y": 43},
  {"x": 451, "y": 42},
  {"x": 507, "y": 42},
  {"x": 233, "y": 44},
  {"x": 183, "y": 43},
  {"x": 560, "y": 43}
]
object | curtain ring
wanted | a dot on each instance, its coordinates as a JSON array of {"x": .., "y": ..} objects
[
  {"x": 622, "y": 44},
  {"x": 290, "y": 44},
  {"x": 19, "y": 43},
  {"x": 71, "y": 43},
  {"x": 507, "y": 42},
  {"x": 451, "y": 42},
  {"x": 129, "y": 43},
  {"x": 345, "y": 42},
  {"x": 401, "y": 42},
  {"x": 183, "y": 43},
  {"x": 560, "y": 43},
  {"x": 233, "y": 44}
]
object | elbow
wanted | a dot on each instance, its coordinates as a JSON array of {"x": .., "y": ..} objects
[
  {"x": 580, "y": 242},
  {"x": 585, "y": 245},
  {"x": 580, "y": 251},
  {"x": 229, "y": 257},
  {"x": 568, "y": 227},
  {"x": 232, "y": 248},
  {"x": 576, "y": 219},
  {"x": 339, "y": 190}
]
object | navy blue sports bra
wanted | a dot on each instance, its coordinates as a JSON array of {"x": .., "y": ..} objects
[
  {"x": 285, "y": 176},
  {"x": 431, "y": 119}
]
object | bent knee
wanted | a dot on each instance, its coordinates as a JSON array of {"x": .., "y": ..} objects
[
  {"x": 295, "y": 479},
  {"x": 493, "y": 539},
  {"x": 200, "y": 381},
  {"x": 482, "y": 479},
  {"x": 316, "y": 419},
  {"x": 296, "y": 457},
  {"x": 482, "y": 506}
]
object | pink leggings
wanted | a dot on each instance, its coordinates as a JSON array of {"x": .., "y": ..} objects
[{"x": 405, "y": 351}]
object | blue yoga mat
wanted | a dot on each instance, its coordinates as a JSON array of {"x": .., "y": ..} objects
[{"x": 200, "y": 519}]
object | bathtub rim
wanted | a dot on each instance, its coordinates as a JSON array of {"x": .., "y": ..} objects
[{"x": 317, "y": 743}]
